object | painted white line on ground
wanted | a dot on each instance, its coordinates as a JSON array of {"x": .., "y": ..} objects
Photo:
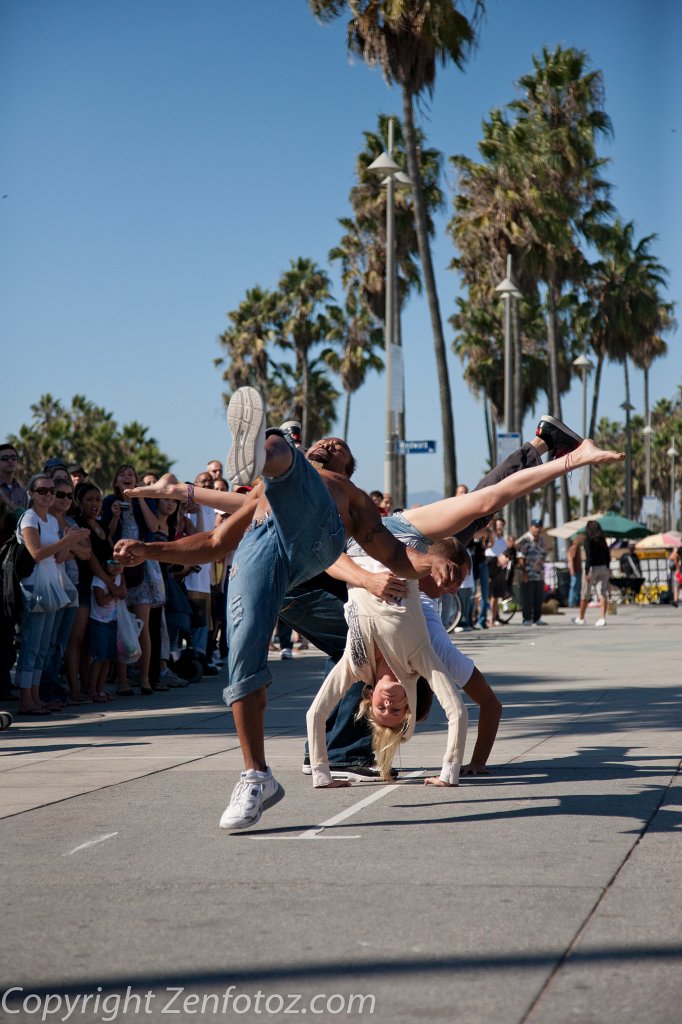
[
  {"x": 313, "y": 833},
  {"x": 263, "y": 839},
  {"x": 92, "y": 842}
]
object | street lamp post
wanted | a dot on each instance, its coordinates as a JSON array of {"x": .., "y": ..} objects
[
  {"x": 583, "y": 364},
  {"x": 672, "y": 452},
  {"x": 508, "y": 290},
  {"x": 647, "y": 431},
  {"x": 391, "y": 175},
  {"x": 628, "y": 407}
]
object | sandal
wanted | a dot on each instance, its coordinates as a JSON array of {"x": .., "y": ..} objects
[
  {"x": 146, "y": 691},
  {"x": 161, "y": 687},
  {"x": 125, "y": 693},
  {"x": 33, "y": 711}
]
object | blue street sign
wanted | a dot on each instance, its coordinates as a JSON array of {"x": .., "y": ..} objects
[{"x": 416, "y": 447}]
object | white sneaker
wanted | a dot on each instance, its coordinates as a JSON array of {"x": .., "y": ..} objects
[
  {"x": 286, "y": 653},
  {"x": 578, "y": 622},
  {"x": 540, "y": 622},
  {"x": 254, "y": 792},
  {"x": 172, "y": 679},
  {"x": 600, "y": 622},
  {"x": 246, "y": 420},
  {"x": 527, "y": 622}
]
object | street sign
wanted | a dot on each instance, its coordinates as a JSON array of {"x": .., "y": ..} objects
[
  {"x": 416, "y": 447},
  {"x": 649, "y": 505},
  {"x": 507, "y": 443}
]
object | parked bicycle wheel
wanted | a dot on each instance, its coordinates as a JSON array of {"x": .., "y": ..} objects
[
  {"x": 507, "y": 608},
  {"x": 451, "y": 611}
]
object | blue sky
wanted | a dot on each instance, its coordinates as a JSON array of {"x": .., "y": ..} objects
[{"x": 158, "y": 159}]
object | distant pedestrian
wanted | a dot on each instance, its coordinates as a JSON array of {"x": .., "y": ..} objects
[
  {"x": 596, "y": 575},
  {"x": 574, "y": 557},
  {"x": 532, "y": 554}
]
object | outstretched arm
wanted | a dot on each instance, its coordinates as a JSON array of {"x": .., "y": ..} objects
[
  {"x": 169, "y": 487},
  {"x": 443, "y": 518},
  {"x": 195, "y": 550}
]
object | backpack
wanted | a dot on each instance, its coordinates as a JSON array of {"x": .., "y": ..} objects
[{"x": 16, "y": 562}]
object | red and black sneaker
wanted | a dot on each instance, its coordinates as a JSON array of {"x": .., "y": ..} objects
[{"x": 559, "y": 438}]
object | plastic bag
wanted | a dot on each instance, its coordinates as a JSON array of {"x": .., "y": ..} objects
[
  {"x": 48, "y": 594},
  {"x": 128, "y": 648},
  {"x": 70, "y": 588}
]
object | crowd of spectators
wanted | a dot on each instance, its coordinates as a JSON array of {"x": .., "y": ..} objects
[{"x": 65, "y": 531}]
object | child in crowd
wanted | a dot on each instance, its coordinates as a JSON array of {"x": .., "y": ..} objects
[{"x": 102, "y": 631}]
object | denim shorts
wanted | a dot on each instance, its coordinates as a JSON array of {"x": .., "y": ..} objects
[
  {"x": 102, "y": 640},
  {"x": 303, "y": 536},
  {"x": 403, "y": 529}
]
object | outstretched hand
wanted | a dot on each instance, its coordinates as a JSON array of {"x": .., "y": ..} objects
[{"x": 163, "y": 488}]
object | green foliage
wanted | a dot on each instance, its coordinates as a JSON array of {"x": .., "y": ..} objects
[
  {"x": 608, "y": 482},
  {"x": 295, "y": 319},
  {"x": 88, "y": 434}
]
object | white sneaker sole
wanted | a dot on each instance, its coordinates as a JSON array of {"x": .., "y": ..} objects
[
  {"x": 269, "y": 801},
  {"x": 246, "y": 420}
]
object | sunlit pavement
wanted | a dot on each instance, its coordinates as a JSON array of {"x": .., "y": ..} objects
[{"x": 547, "y": 892}]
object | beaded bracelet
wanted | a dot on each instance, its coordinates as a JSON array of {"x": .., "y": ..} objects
[{"x": 189, "y": 502}]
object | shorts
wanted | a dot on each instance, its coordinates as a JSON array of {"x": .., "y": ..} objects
[
  {"x": 102, "y": 640},
  {"x": 598, "y": 577}
]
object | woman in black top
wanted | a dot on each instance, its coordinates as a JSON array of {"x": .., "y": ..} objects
[{"x": 596, "y": 574}]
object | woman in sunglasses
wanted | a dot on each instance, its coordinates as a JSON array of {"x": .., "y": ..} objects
[
  {"x": 39, "y": 532},
  {"x": 50, "y": 689}
]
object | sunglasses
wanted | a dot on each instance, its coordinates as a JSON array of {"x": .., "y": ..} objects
[
  {"x": 63, "y": 494},
  {"x": 43, "y": 490},
  {"x": 9, "y": 458}
]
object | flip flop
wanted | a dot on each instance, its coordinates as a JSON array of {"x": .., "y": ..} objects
[{"x": 41, "y": 712}]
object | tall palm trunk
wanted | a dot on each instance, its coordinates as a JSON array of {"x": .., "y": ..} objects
[
  {"x": 595, "y": 396},
  {"x": 346, "y": 417},
  {"x": 554, "y": 394},
  {"x": 628, "y": 443},
  {"x": 518, "y": 524},
  {"x": 304, "y": 410},
  {"x": 447, "y": 418}
]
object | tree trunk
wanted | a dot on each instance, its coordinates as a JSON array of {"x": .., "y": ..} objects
[
  {"x": 489, "y": 432},
  {"x": 595, "y": 396},
  {"x": 304, "y": 409},
  {"x": 628, "y": 444},
  {"x": 554, "y": 395},
  {"x": 400, "y": 498},
  {"x": 447, "y": 418},
  {"x": 518, "y": 516},
  {"x": 346, "y": 417}
]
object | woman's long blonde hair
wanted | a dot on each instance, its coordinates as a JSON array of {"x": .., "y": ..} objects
[{"x": 385, "y": 741}]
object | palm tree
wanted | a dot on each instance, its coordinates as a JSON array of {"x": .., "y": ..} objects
[
  {"x": 407, "y": 39},
  {"x": 252, "y": 329},
  {"x": 624, "y": 314},
  {"x": 356, "y": 333},
  {"x": 301, "y": 326}
]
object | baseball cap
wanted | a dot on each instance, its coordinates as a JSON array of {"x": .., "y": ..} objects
[
  {"x": 536, "y": 522},
  {"x": 76, "y": 467},
  {"x": 53, "y": 463},
  {"x": 243, "y": 489}
]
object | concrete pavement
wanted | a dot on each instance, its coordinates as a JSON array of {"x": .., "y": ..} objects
[{"x": 546, "y": 893}]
